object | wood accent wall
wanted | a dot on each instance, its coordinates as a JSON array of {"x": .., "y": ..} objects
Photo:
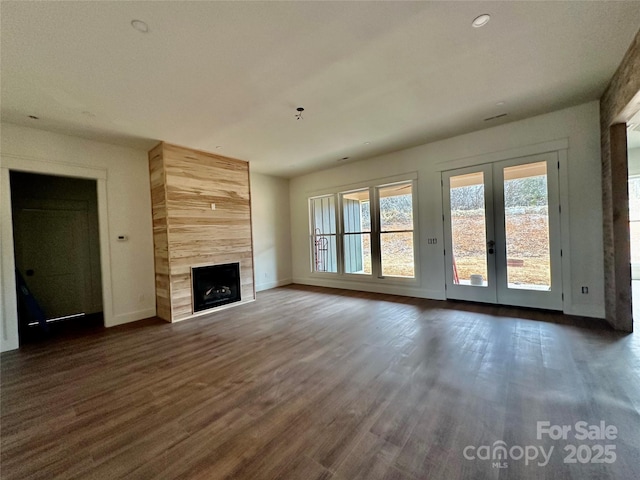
[
  {"x": 618, "y": 104},
  {"x": 187, "y": 232}
]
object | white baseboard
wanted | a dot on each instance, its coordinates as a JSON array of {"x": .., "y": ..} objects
[
  {"x": 591, "y": 311},
  {"x": 269, "y": 285},
  {"x": 8, "y": 345},
  {"x": 403, "y": 290},
  {"x": 130, "y": 317}
]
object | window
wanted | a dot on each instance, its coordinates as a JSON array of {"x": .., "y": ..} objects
[
  {"x": 356, "y": 217},
  {"x": 323, "y": 234},
  {"x": 373, "y": 235},
  {"x": 396, "y": 230}
]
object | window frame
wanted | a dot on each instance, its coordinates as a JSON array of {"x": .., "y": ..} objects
[
  {"x": 373, "y": 186},
  {"x": 413, "y": 231},
  {"x": 343, "y": 233},
  {"x": 312, "y": 235}
]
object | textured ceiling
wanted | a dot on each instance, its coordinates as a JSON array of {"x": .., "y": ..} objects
[{"x": 231, "y": 74}]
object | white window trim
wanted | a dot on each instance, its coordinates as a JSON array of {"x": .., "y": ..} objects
[
  {"x": 375, "y": 277},
  {"x": 345, "y": 274},
  {"x": 312, "y": 236}
]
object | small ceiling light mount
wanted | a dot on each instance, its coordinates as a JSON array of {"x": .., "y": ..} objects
[
  {"x": 500, "y": 104},
  {"x": 33, "y": 117},
  {"x": 495, "y": 117},
  {"x": 367, "y": 143},
  {"x": 299, "y": 114},
  {"x": 139, "y": 25},
  {"x": 481, "y": 20}
]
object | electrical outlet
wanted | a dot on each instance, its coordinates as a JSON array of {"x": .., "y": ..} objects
[{"x": 585, "y": 290}]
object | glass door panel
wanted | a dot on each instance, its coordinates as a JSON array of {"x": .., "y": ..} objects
[
  {"x": 469, "y": 245},
  {"x": 468, "y": 229},
  {"x": 512, "y": 258},
  {"x": 526, "y": 210},
  {"x": 528, "y": 232}
]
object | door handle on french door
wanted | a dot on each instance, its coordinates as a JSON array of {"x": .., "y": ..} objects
[{"x": 490, "y": 246}]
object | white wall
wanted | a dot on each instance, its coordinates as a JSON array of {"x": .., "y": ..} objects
[
  {"x": 583, "y": 262},
  {"x": 127, "y": 208},
  {"x": 271, "y": 230},
  {"x": 633, "y": 156}
]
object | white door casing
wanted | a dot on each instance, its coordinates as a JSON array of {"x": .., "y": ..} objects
[{"x": 501, "y": 278}]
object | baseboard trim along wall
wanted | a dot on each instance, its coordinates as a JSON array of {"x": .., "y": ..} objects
[
  {"x": 131, "y": 317},
  {"x": 269, "y": 285},
  {"x": 402, "y": 290},
  {"x": 577, "y": 310},
  {"x": 590, "y": 311}
]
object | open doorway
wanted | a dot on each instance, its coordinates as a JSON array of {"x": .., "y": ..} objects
[
  {"x": 633, "y": 156},
  {"x": 57, "y": 255}
]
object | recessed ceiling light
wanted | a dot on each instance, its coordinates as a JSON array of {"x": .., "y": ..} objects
[
  {"x": 140, "y": 26},
  {"x": 500, "y": 104},
  {"x": 33, "y": 117},
  {"x": 481, "y": 20},
  {"x": 367, "y": 143}
]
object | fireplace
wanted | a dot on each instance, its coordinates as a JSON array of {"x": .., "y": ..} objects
[{"x": 215, "y": 285}]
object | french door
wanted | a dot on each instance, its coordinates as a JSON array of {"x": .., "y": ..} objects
[{"x": 502, "y": 232}]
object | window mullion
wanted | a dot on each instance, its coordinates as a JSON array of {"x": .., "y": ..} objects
[
  {"x": 339, "y": 234},
  {"x": 397, "y": 231},
  {"x": 374, "y": 209}
]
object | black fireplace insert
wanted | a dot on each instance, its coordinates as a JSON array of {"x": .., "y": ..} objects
[{"x": 215, "y": 285}]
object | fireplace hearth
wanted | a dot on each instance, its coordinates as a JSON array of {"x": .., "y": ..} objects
[{"x": 215, "y": 285}]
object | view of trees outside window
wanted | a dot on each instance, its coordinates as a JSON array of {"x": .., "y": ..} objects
[
  {"x": 468, "y": 235},
  {"x": 396, "y": 230},
  {"x": 526, "y": 202}
]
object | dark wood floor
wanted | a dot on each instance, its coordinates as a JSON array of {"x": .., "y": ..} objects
[{"x": 310, "y": 383}]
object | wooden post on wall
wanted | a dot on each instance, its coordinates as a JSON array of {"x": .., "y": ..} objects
[
  {"x": 620, "y": 217},
  {"x": 618, "y": 104}
]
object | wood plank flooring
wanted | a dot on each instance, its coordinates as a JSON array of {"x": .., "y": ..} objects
[{"x": 313, "y": 383}]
